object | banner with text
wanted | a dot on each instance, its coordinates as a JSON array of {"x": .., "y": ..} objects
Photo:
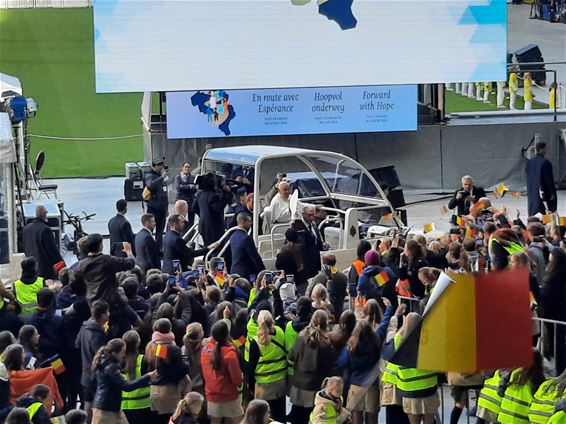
[{"x": 238, "y": 113}]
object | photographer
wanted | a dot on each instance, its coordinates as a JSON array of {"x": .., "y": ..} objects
[
  {"x": 466, "y": 196},
  {"x": 158, "y": 204},
  {"x": 211, "y": 199}
]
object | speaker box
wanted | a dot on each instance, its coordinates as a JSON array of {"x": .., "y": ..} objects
[
  {"x": 396, "y": 198},
  {"x": 531, "y": 54},
  {"x": 386, "y": 176},
  {"x": 133, "y": 190}
]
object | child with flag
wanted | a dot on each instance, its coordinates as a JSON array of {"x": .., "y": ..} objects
[
  {"x": 376, "y": 281},
  {"x": 165, "y": 357}
]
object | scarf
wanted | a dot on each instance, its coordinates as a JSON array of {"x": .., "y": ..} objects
[{"x": 161, "y": 338}]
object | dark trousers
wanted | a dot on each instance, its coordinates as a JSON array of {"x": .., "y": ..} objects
[
  {"x": 278, "y": 409},
  {"x": 140, "y": 416},
  {"x": 299, "y": 415},
  {"x": 394, "y": 415},
  {"x": 160, "y": 221}
]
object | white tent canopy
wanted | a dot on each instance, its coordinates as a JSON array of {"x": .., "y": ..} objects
[{"x": 9, "y": 83}]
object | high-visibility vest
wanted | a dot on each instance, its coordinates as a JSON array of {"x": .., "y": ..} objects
[
  {"x": 542, "y": 406},
  {"x": 558, "y": 418},
  {"x": 391, "y": 372},
  {"x": 528, "y": 89},
  {"x": 272, "y": 364},
  {"x": 33, "y": 408},
  {"x": 489, "y": 399},
  {"x": 290, "y": 340},
  {"x": 330, "y": 415},
  {"x": 358, "y": 265},
  {"x": 252, "y": 332},
  {"x": 253, "y": 294},
  {"x": 139, "y": 398},
  {"x": 410, "y": 380},
  {"x": 26, "y": 294},
  {"x": 516, "y": 402}
]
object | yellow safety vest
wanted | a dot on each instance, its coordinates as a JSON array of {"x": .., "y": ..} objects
[
  {"x": 552, "y": 98},
  {"x": 252, "y": 332},
  {"x": 139, "y": 398},
  {"x": 272, "y": 364},
  {"x": 26, "y": 294},
  {"x": 516, "y": 402},
  {"x": 513, "y": 82},
  {"x": 489, "y": 399},
  {"x": 391, "y": 372},
  {"x": 558, "y": 418},
  {"x": 330, "y": 414},
  {"x": 542, "y": 406},
  {"x": 33, "y": 408},
  {"x": 290, "y": 340}
]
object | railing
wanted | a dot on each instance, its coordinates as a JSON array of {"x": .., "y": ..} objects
[{"x": 36, "y": 4}]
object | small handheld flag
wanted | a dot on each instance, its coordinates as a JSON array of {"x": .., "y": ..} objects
[
  {"x": 471, "y": 232},
  {"x": 547, "y": 219},
  {"x": 219, "y": 278},
  {"x": 516, "y": 194},
  {"x": 500, "y": 190},
  {"x": 562, "y": 221},
  {"x": 58, "y": 366},
  {"x": 428, "y": 228},
  {"x": 161, "y": 351}
]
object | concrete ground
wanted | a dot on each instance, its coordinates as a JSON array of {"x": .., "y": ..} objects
[{"x": 550, "y": 37}]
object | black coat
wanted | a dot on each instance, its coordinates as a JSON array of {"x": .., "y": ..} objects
[
  {"x": 158, "y": 187},
  {"x": 147, "y": 252},
  {"x": 553, "y": 297},
  {"x": 209, "y": 206},
  {"x": 110, "y": 383},
  {"x": 52, "y": 331},
  {"x": 39, "y": 242},
  {"x": 185, "y": 189},
  {"x": 310, "y": 248},
  {"x": 90, "y": 338},
  {"x": 245, "y": 257},
  {"x": 540, "y": 179},
  {"x": 174, "y": 247},
  {"x": 120, "y": 231},
  {"x": 173, "y": 370},
  {"x": 463, "y": 204}
]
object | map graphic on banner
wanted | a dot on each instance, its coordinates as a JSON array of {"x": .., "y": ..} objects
[
  {"x": 339, "y": 11},
  {"x": 221, "y": 113},
  {"x": 190, "y": 45}
]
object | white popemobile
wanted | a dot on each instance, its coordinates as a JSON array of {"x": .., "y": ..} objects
[{"x": 355, "y": 204}]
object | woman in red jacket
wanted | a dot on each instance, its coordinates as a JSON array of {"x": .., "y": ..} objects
[{"x": 222, "y": 376}]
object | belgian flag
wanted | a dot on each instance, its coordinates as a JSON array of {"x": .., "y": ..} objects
[{"x": 472, "y": 323}]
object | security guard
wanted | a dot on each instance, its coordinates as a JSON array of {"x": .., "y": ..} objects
[
  {"x": 139, "y": 398},
  {"x": 27, "y": 287}
]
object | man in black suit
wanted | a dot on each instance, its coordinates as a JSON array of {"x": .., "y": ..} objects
[
  {"x": 175, "y": 248},
  {"x": 39, "y": 242},
  {"x": 466, "y": 196},
  {"x": 120, "y": 230},
  {"x": 156, "y": 181},
  {"x": 310, "y": 240},
  {"x": 147, "y": 252},
  {"x": 246, "y": 260}
]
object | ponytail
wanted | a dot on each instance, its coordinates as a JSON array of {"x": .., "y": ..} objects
[
  {"x": 180, "y": 410},
  {"x": 221, "y": 335},
  {"x": 265, "y": 327},
  {"x": 113, "y": 346},
  {"x": 217, "y": 356}
]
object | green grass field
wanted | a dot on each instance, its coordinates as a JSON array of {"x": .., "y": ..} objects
[
  {"x": 52, "y": 52},
  {"x": 458, "y": 103}
]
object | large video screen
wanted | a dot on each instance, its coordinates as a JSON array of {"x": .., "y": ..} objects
[
  {"x": 176, "y": 45},
  {"x": 222, "y": 113}
]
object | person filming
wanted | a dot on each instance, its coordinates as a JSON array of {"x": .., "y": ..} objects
[{"x": 466, "y": 196}]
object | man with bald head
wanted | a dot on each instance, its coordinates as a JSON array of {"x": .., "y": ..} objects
[
  {"x": 182, "y": 208},
  {"x": 280, "y": 206},
  {"x": 39, "y": 242}
]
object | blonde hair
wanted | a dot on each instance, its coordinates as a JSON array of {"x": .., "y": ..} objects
[
  {"x": 319, "y": 293},
  {"x": 190, "y": 404},
  {"x": 411, "y": 321},
  {"x": 265, "y": 326}
]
